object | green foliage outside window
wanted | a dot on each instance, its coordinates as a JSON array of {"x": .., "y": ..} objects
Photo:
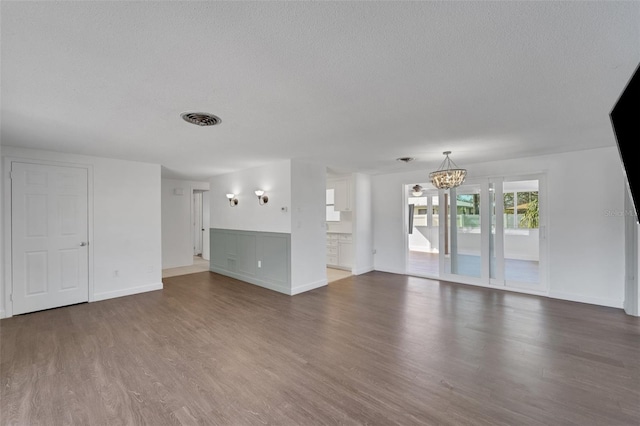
[
  {"x": 525, "y": 206},
  {"x": 531, "y": 217}
]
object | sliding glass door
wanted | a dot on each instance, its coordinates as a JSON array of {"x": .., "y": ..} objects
[
  {"x": 521, "y": 232},
  {"x": 463, "y": 232},
  {"x": 492, "y": 233},
  {"x": 423, "y": 234}
]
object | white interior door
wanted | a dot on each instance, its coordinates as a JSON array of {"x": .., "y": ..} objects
[{"x": 49, "y": 231}]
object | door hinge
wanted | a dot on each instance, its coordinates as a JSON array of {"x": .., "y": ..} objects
[
  {"x": 11, "y": 175},
  {"x": 11, "y": 297}
]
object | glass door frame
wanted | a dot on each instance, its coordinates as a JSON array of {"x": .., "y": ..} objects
[
  {"x": 428, "y": 193},
  {"x": 492, "y": 239},
  {"x": 448, "y": 238},
  {"x": 497, "y": 232},
  {"x": 542, "y": 286}
]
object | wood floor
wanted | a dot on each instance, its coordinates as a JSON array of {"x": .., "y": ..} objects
[
  {"x": 376, "y": 349},
  {"x": 422, "y": 263}
]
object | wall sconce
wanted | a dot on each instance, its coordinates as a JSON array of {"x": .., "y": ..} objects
[
  {"x": 233, "y": 201},
  {"x": 262, "y": 199}
]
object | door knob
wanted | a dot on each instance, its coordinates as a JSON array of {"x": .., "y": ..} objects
[{"x": 82, "y": 244}]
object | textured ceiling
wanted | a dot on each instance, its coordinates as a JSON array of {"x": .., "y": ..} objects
[{"x": 353, "y": 85}]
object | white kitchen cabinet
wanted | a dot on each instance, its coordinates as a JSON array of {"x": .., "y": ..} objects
[
  {"x": 342, "y": 194},
  {"x": 345, "y": 254},
  {"x": 339, "y": 250},
  {"x": 332, "y": 260},
  {"x": 332, "y": 249}
]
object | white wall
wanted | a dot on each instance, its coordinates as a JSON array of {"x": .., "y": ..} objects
[
  {"x": 632, "y": 268},
  {"x": 586, "y": 246},
  {"x": 126, "y": 222},
  {"x": 363, "y": 224},
  {"x": 2, "y": 312},
  {"x": 424, "y": 239},
  {"x": 248, "y": 215},
  {"x": 308, "y": 231},
  {"x": 177, "y": 223}
]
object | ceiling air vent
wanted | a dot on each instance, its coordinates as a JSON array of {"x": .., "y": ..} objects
[
  {"x": 200, "y": 118},
  {"x": 405, "y": 159}
]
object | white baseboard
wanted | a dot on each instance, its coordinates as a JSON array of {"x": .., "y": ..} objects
[
  {"x": 265, "y": 284},
  {"x": 126, "y": 292},
  {"x": 178, "y": 265},
  {"x": 612, "y": 303},
  {"x": 306, "y": 287},
  {"x": 342, "y": 268},
  {"x": 390, "y": 270},
  {"x": 631, "y": 309},
  {"x": 361, "y": 271},
  {"x": 554, "y": 295}
]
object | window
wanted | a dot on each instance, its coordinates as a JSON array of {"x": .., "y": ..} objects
[
  {"x": 434, "y": 211},
  {"x": 423, "y": 205},
  {"x": 419, "y": 210},
  {"x": 468, "y": 206},
  {"x": 521, "y": 210},
  {"x": 332, "y": 214}
]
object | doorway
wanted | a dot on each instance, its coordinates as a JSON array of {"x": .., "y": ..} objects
[
  {"x": 517, "y": 236},
  {"x": 339, "y": 228},
  {"x": 200, "y": 223},
  {"x": 424, "y": 232},
  {"x": 198, "y": 229},
  {"x": 488, "y": 232}
]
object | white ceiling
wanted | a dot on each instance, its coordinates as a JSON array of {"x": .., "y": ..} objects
[{"x": 353, "y": 85}]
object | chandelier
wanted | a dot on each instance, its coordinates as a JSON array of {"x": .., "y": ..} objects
[{"x": 446, "y": 176}]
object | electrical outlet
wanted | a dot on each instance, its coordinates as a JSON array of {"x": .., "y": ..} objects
[{"x": 259, "y": 263}]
